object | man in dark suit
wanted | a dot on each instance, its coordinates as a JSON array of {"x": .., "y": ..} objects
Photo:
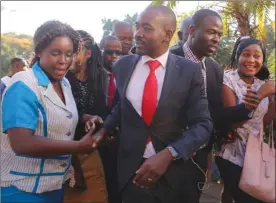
[
  {"x": 204, "y": 36},
  {"x": 160, "y": 94},
  {"x": 111, "y": 51}
]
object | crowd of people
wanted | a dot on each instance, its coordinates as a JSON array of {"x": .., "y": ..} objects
[{"x": 154, "y": 114}]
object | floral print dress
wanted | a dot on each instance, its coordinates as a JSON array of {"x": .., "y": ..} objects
[{"x": 235, "y": 152}]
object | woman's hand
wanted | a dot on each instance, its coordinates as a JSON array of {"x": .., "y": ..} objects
[{"x": 91, "y": 141}]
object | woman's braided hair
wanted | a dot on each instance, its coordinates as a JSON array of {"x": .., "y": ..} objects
[
  {"x": 94, "y": 72},
  {"x": 48, "y": 31},
  {"x": 94, "y": 68}
]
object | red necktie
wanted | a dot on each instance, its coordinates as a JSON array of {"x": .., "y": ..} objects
[
  {"x": 111, "y": 90},
  {"x": 149, "y": 102}
]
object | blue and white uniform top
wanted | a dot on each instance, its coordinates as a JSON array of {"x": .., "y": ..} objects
[{"x": 31, "y": 102}]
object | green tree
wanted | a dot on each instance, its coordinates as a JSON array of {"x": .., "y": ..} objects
[
  {"x": 271, "y": 64},
  {"x": 224, "y": 50},
  {"x": 107, "y": 26},
  {"x": 14, "y": 45},
  {"x": 250, "y": 16}
]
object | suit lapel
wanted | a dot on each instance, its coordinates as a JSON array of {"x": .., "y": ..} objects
[
  {"x": 181, "y": 52},
  {"x": 171, "y": 76}
]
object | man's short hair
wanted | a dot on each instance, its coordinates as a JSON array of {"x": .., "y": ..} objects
[
  {"x": 104, "y": 39},
  {"x": 16, "y": 59},
  {"x": 184, "y": 23},
  {"x": 201, "y": 14},
  {"x": 118, "y": 24}
]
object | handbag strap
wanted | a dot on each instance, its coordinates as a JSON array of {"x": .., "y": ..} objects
[
  {"x": 261, "y": 137},
  {"x": 270, "y": 135}
]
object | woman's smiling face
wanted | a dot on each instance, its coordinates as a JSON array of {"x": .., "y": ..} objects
[{"x": 250, "y": 60}]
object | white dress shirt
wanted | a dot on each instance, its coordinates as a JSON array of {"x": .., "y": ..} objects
[{"x": 135, "y": 89}]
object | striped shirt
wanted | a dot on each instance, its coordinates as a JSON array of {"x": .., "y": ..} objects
[
  {"x": 31, "y": 102},
  {"x": 190, "y": 56}
]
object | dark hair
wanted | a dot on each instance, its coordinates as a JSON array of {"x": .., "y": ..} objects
[
  {"x": 48, "y": 31},
  {"x": 105, "y": 38},
  {"x": 240, "y": 45},
  {"x": 16, "y": 59},
  {"x": 200, "y": 15},
  {"x": 94, "y": 73},
  {"x": 94, "y": 63}
]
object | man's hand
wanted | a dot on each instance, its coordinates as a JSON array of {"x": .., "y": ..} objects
[
  {"x": 251, "y": 100},
  {"x": 91, "y": 123},
  {"x": 152, "y": 169}
]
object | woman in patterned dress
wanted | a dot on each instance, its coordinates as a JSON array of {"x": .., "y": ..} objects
[
  {"x": 86, "y": 79},
  {"x": 248, "y": 60}
]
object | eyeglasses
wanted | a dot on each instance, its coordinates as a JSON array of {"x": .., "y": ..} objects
[{"x": 111, "y": 52}]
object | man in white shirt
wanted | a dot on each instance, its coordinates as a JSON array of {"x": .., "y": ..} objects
[
  {"x": 17, "y": 65},
  {"x": 160, "y": 94}
]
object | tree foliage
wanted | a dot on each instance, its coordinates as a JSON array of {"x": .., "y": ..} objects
[
  {"x": 14, "y": 45},
  {"x": 245, "y": 18},
  {"x": 271, "y": 64}
]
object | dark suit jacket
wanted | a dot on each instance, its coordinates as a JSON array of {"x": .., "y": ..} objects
[
  {"x": 222, "y": 117},
  {"x": 182, "y": 103},
  {"x": 219, "y": 114}
]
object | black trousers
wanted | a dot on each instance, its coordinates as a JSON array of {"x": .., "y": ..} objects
[
  {"x": 176, "y": 186},
  {"x": 108, "y": 153},
  {"x": 231, "y": 174}
]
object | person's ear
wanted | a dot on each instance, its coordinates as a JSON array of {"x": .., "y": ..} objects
[
  {"x": 168, "y": 35},
  {"x": 192, "y": 31},
  {"x": 180, "y": 35},
  {"x": 89, "y": 54}
]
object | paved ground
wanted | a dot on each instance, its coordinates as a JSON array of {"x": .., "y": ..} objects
[{"x": 212, "y": 194}]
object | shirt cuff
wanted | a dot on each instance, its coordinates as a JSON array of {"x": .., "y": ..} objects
[{"x": 173, "y": 152}]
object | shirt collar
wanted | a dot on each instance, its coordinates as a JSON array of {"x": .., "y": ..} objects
[
  {"x": 162, "y": 59},
  {"x": 189, "y": 54},
  {"x": 40, "y": 75}
]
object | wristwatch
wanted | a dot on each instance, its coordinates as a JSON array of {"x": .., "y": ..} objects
[{"x": 174, "y": 153}]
